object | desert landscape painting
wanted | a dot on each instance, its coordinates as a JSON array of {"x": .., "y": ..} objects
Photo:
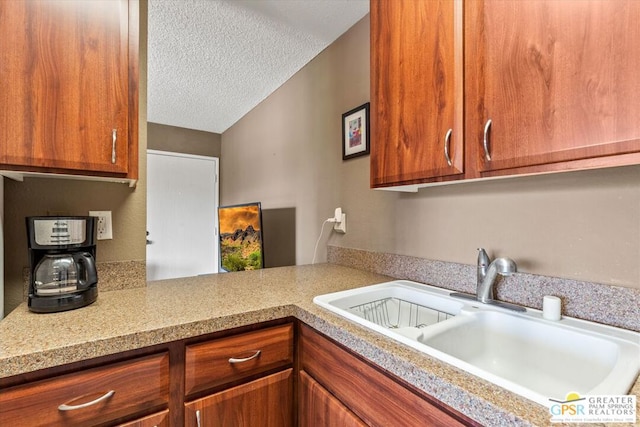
[{"x": 240, "y": 237}]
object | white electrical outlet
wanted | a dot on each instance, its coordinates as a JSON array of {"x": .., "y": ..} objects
[
  {"x": 103, "y": 224},
  {"x": 340, "y": 221},
  {"x": 341, "y": 227}
]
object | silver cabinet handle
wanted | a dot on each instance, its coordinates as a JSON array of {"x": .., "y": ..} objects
[
  {"x": 447, "y": 142},
  {"x": 485, "y": 142},
  {"x": 198, "y": 417},
  {"x": 114, "y": 137},
  {"x": 65, "y": 407},
  {"x": 246, "y": 359}
]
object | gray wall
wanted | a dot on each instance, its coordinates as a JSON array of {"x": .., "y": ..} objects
[
  {"x": 279, "y": 237},
  {"x": 287, "y": 153},
  {"x": 278, "y": 225},
  {"x": 180, "y": 140}
]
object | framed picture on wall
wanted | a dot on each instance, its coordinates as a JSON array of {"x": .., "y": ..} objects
[{"x": 355, "y": 132}]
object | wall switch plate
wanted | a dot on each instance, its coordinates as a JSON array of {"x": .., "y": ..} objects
[{"x": 105, "y": 230}]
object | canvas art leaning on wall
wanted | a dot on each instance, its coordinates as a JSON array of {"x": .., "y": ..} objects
[{"x": 241, "y": 246}]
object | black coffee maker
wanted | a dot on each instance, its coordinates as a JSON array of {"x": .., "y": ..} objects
[{"x": 62, "y": 268}]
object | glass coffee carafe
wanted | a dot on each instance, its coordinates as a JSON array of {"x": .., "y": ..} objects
[{"x": 58, "y": 274}]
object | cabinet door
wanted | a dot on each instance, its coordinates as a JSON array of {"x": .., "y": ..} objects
[
  {"x": 416, "y": 90},
  {"x": 64, "y": 98},
  {"x": 319, "y": 408},
  {"x": 264, "y": 402},
  {"x": 559, "y": 81}
]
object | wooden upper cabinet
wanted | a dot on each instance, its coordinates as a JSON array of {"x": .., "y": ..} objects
[
  {"x": 559, "y": 81},
  {"x": 69, "y": 99},
  {"x": 544, "y": 85},
  {"x": 416, "y": 91}
]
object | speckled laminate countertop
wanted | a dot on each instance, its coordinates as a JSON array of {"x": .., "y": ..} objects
[{"x": 181, "y": 308}]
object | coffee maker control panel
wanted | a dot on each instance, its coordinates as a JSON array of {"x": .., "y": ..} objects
[{"x": 60, "y": 231}]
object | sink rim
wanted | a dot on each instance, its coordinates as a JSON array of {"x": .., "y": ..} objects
[{"x": 627, "y": 341}]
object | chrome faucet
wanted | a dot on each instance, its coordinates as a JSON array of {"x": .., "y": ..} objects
[
  {"x": 487, "y": 275},
  {"x": 488, "y": 272},
  {"x": 483, "y": 264}
]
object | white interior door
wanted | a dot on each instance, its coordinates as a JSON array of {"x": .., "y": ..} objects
[{"x": 182, "y": 215}]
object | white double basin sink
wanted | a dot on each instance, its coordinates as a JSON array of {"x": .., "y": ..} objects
[{"x": 521, "y": 351}]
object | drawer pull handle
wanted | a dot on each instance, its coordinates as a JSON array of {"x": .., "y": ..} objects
[
  {"x": 447, "y": 142},
  {"x": 65, "y": 407},
  {"x": 114, "y": 137},
  {"x": 245, "y": 359},
  {"x": 198, "y": 418},
  {"x": 485, "y": 140}
]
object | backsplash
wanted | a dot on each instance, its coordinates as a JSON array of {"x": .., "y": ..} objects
[
  {"x": 611, "y": 305},
  {"x": 112, "y": 276}
]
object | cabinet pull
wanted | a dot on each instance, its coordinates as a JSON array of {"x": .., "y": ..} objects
[
  {"x": 65, "y": 407},
  {"x": 485, "y": 141},
  {"x": 198, "y": 417},
  {"x": 245, "y": 359},
  {"x": 114, "y": 137},
  {"x": 447, "y": 142}
]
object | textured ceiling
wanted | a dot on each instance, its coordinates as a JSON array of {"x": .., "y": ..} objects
[{"x": 211, "y": 61}]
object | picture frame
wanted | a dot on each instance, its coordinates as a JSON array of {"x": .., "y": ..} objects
[
  {"x": 240, "y": 237},
  {"x": 355, "y": 132}
]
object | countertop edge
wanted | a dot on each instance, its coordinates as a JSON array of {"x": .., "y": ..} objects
[
  {"x": 481, "y": 400},
  {"x": 447, "y": 392}
]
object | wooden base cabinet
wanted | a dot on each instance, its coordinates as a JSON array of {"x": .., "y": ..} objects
[
  {"x": 372, "y": 396},
  {"x": 228, "y": 367},
  {"x": 252, "y": 377},
  {"x": 264, "y": 402},
  {"x": 239, "y": 379}
]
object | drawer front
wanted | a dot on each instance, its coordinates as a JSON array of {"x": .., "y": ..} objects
[
  {"x": 217, "y": 362},
  {"x": 117, "y": 390}
]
